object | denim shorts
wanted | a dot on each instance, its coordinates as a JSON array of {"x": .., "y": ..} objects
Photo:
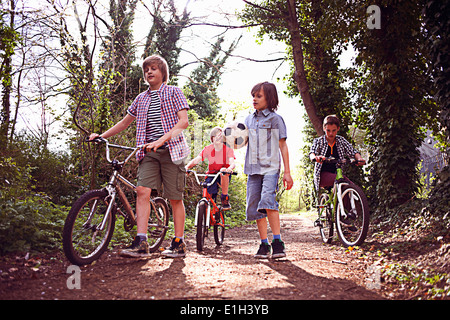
[{"x": 261, "y": 195}]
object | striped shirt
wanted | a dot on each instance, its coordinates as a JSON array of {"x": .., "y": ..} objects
[
  {"x": 172, "y": 101},
  {"x": 154, "y": 129}
]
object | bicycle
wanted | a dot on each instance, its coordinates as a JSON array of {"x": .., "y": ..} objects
[
  {"x": 90, "y": 224},
  {"x": 207, "y": 213},
  {"x": 345, "y": 206}
]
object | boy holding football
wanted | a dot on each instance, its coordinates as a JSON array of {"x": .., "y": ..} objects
[{"x": 267, "y": 139}]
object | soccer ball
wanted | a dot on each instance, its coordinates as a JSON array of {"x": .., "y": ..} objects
[{"x": 235, "y": 135}]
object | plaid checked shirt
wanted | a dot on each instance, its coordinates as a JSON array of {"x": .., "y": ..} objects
[
  {"x": 319, "y": 148},
  {"x": 172, "y": 101}
]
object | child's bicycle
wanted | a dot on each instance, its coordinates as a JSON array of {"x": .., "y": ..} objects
[
  {"x": 344, "y": 206},
  {"x": 90, "y": 223},
  {"x": 208, "y": 213}
]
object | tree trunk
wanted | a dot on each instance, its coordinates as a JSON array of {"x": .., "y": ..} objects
[{"x": 299, "y": 75}]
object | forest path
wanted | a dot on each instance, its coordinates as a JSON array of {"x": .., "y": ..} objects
[{"x": 311, "y": 271}]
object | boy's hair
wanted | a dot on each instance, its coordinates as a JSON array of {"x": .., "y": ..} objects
[
  {"x": 270, "y": 92},
  {"x": 160, "y": 62},
  {"x": 331, "y": 119},
  {"x": 214, "y": 132}
]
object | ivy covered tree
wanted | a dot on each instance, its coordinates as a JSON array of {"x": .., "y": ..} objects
[
  {"x": 201, "y": 90},
  {"x": 164, "y": 34},
  {"x": 437, "y": 25},
  {"x": 8, "y": 41},
  {"x": 395, "y": 93},
  {"x": 119, "y": 55}
]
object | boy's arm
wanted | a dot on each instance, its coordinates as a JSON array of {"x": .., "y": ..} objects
[
  {"x": 182, "y": 124},
  {"x": 118, "y": 127},
  {"x": 231, "y": 167},
  {"x": 194, "y": 162},
  {"x": 287, "y": 179}
]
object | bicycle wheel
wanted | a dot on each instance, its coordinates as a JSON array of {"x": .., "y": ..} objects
[
  {"x": 325, "y": 222},
  {"x": 353, "y": 224},
  {"x": 201, "y": 224},
  {"x": 219, "y": 229},
  {"x": 157, "y": 223},
  {"x": 83, "y": 241}
]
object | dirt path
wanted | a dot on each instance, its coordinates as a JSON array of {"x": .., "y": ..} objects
[{"x": 310, "y": 271}]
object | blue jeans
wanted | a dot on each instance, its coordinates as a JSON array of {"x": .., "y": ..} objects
[{"x": 261, "y": 195}]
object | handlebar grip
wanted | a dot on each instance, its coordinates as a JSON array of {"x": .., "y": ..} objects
[{"x": 97, "y": 140}]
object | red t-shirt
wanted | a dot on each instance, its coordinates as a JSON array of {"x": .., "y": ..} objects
[{"x": 217, "y": 159}]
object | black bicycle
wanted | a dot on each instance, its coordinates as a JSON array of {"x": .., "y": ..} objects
[{"x": 89, "y": 226}]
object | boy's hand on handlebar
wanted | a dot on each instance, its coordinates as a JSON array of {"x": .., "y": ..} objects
[
  {"x": 93, "y": 136},
  {"x": 226, "y": 170},
  {"x": 320, "y": 159},
  {"x": 360, "y": 162}
]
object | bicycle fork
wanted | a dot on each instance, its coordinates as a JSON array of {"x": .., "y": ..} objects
[
  {"x": 112, "y": 197},
  {"x": 208, "y": 211}
]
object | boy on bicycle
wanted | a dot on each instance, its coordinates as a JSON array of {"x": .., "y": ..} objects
[
  {"x": 161, "y": 116},
  {"x": 330, "y": 145},
  {"x": 220, "y": 159}
]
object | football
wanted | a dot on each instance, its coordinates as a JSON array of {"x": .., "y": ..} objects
[{"x": 235, "y": 135}]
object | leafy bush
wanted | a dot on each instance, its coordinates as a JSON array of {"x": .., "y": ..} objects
[{"x": 32, "y": 224}]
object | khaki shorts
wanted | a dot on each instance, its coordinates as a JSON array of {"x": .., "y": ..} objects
[{"x": 157, "y": 169}]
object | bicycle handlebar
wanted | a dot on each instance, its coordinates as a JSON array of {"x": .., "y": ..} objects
[
  {"x": 206, "y": 175},
  {"x": 117, "y": 146},
  {"x": 333, "y": 160}
]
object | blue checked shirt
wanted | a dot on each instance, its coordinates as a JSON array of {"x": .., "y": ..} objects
[
  {"x": 172, "y": 101},
  {"x": 265, "y": 130},
  {"x": 319, "y": 148}
]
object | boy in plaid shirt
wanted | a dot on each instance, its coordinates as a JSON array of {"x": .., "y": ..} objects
[
  {"x": 161, "y": 116},
  {"x": 330, "y": 144}
]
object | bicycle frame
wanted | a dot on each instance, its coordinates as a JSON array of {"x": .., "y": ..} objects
[
  {"x": 113, "y": 187},
  {"x": 335, "y": 195}
]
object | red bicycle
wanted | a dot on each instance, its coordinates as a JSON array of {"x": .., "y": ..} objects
[{"x": 208, "y": 213}]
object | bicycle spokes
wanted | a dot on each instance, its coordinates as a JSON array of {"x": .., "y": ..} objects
[
  {"x": 84, "y": 239},
  {"x": 352, "y": 222}
]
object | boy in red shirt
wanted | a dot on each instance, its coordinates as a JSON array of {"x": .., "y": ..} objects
[{"x": 220, "y": 158}]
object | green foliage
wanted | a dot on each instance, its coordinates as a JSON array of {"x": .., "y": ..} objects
[
  {"x": 394, "y": 97},
  {"x": 164, "y": 35},
  {"x": 9, "y": 38},
  {"x": 201, "y": 90},
  {"x": 414, "y": 278},
  {"x": 32, "y": 224}
]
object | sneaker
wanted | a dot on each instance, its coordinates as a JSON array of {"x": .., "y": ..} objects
[
  {"x": 263, "y": 251},
  {"x": 177, "y": 249},
  {"x": 225, "y": 202},
  {"x": 138, "y": 249},
  {"x": 278, "y": 249}
]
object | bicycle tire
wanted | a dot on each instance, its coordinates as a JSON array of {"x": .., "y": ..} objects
[
  {"x": 201, "y": 224},
  {"x": 160, "y": 218},
  {"x": 325, "y": 219},
  {"x": 219, "y": 229},
  {"x": 82, "y": 241},
  {"x": 357, "y": 217}
]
